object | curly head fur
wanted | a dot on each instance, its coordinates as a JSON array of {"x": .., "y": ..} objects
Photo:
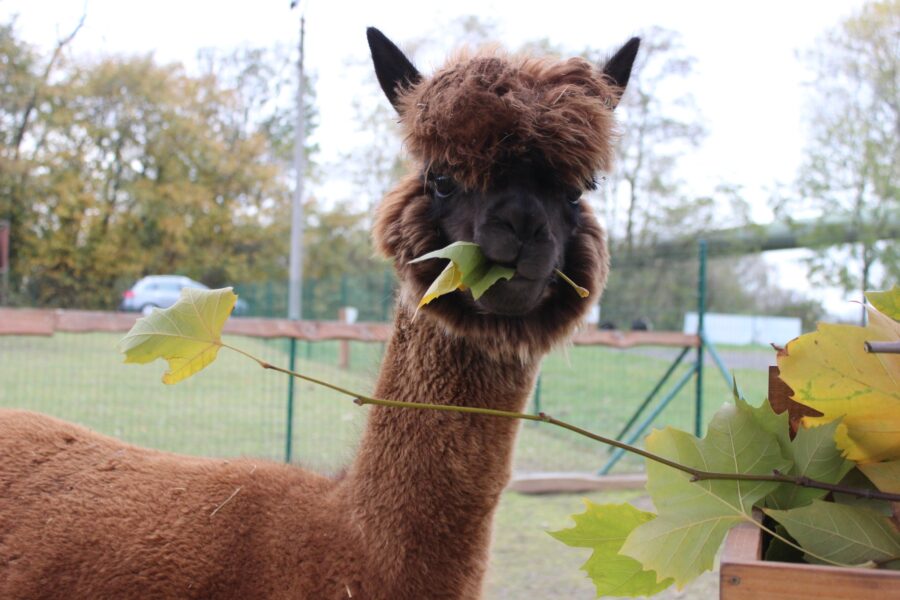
[{"x": 488, "y": 110}]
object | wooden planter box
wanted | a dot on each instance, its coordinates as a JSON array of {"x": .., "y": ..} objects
[{"x": 743, "y": 575}]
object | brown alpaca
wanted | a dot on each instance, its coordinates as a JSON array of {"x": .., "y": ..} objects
[{"x": 507, "y": 144}]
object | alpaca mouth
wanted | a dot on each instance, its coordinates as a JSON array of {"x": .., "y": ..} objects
[{"x": 513, "y": 298}]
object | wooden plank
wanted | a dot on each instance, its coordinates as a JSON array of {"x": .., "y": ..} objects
[
  {"x": 788, "y": 581},
  {"x": 44, "y": 322},
  {"x": 86, "y": 321},
  {"x": 629, "y": 339},
  {"x": 744, "y": 576},
  {"x": 557, "y": 483},
  {"x": 309, "y": 330},
  {"x": 27, "y": 321}
]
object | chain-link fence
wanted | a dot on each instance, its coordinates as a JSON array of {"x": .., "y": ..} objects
[{"x": 371, "y": 295}]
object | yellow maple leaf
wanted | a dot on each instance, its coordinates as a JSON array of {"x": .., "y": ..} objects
[
  {"x": 830, "y": 371},
  {"x": 187, "y": 334}
]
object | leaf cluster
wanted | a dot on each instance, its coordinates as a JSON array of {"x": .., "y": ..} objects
[{"x": 854, "y": 442}]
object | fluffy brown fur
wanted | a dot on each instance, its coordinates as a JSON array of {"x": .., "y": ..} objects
[
  {"x": 86, "y": 516},
  {"x": 489, "y": 110}
]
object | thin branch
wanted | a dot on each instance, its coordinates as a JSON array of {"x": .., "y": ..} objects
[
  {"x": 882, "y": 347},
  {"x": 696, "y": 474},
  {"x": 32, "y": 102}
]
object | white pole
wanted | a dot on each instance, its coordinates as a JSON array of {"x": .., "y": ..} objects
[{"x": 295, "y": 268}]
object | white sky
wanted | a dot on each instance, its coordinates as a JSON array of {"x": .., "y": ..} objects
[{"x": 748, "y": 81}]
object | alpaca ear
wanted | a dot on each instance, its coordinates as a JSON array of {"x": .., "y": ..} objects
[
  {"x": 393, "y": 69},
  {"x": 618, "y": 68}
]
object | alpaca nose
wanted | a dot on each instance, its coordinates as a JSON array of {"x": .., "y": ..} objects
[{"x": 511, "y": 224}]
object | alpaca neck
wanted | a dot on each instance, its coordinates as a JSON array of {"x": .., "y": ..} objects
[{"x": 425, "y": 483}]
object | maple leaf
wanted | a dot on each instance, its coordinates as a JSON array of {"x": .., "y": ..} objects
[
  {"x": 470, "y": 269},
  {"x": 187, "y": 334},
  {"x": 885, "y": 475},
  {"x": 694, "y": 516},
  {"x": 830, "y": 371},
  {"x": 812, "y": 453},
  {"x": 848, "y": 535},
  {"x": 603, "y": 528}
]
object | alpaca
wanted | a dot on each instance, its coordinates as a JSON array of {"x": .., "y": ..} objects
[{"x": 507, "y": 144}]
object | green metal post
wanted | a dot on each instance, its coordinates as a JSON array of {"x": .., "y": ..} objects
[
  {"x": 701, "y": 310},
  {"x": 289, "y": 435},
  {"x": 537, "y": 394}
]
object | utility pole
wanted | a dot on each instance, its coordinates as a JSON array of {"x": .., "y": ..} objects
[{"x": 295, "y": 268}]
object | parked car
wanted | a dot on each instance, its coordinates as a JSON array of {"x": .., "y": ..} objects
[{"x": 162, "y": 291}]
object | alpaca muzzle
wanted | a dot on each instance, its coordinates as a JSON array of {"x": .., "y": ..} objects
[{"x": 513, "y": 231}]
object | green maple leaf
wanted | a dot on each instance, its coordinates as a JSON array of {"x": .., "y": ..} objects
[
  {"x": 812, "y": 453},
  {"x": 187, "y": 334},
  {"x": 468, "y": 268},
  {"x": 847, "y": 535},
  {"x": 682, "y": 541},
  {"x": 603, "y": 528},
  {"x": 815, "y": 455}
]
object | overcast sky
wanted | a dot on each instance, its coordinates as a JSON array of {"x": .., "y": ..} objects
[{"x": 748, "y": 81}]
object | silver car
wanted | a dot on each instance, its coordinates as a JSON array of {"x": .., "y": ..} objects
[{"x": 162, "y": 291}]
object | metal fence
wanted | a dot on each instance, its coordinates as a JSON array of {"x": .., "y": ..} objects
[{"x": 371, "y": 295}]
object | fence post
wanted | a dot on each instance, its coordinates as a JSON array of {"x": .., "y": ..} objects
[
  {"x": 701, "y": 309},
  {"x": 289, "y": 435}
]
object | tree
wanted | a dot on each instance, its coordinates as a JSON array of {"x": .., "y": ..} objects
[
  {"x": 25, "y": 81},
  {"x": 128, "y": 167},
  {"x": 659, "y": 122},
  {"x": 849, "y": 177}
]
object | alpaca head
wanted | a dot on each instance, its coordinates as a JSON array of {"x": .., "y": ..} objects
[{"x": 505, "y": 146}]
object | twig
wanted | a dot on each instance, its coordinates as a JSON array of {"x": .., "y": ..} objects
[
  {"x": 696, "y": 474},
  {"x": 882, "y": 347},
  {"x": 227, "y": 500}
]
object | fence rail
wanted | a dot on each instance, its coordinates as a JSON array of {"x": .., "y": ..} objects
[{"x": 36, "y": 321}]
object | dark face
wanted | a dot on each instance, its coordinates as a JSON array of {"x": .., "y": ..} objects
[{"x": 524, "y": 220}]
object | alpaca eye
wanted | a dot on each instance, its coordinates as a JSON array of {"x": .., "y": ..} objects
[
  {"x": 573, "y": 196},
  {"x": 443, "y": 186}
]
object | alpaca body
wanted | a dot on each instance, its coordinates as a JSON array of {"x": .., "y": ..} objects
[
  {"x": 86, "y": 516},
  {"x": 506, "y": 145}
]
